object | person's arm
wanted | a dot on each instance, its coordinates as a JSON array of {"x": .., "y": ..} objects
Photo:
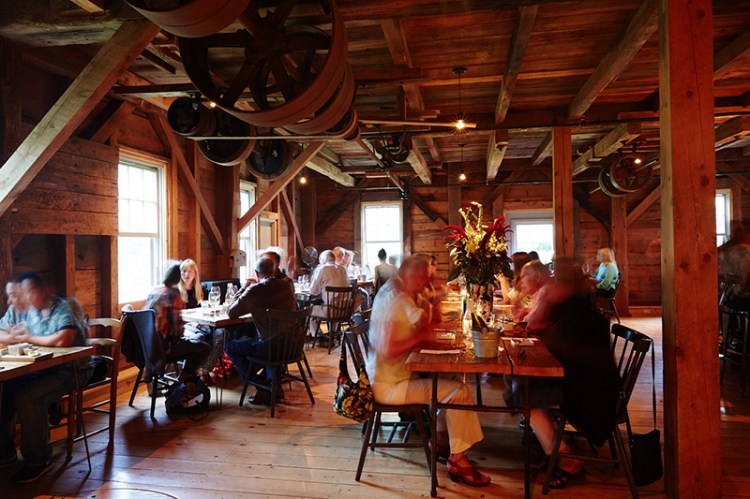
[
  {"x": 62, "y": 338},
  {"x": 394, "y": 347},
  {"x": 606, "y": 276}
]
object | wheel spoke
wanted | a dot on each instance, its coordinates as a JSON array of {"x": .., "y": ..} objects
[
  {"x": 283, "y": 10},
  {"x": 246, "y": 73},
  {"x": 284, "y": 82}
]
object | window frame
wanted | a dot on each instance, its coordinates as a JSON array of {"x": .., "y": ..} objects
[
  {"x": 364, "y": 260},
  {"x": 135, "y": 159},
  {"x": 727, "y": 194},
  {"x": 251, "y": 249},
  {"x": 527, "y": 217}
]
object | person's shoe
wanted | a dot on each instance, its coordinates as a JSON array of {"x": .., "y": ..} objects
[
  {"x": 443, "y": 451},
  {"x": 9, "y": 461},
  {"x": 261, "y": 397},
  {"x": 29, "y": 474},
  {"x": 466, "y": 474}
]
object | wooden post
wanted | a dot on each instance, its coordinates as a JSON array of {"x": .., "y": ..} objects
[
  {"x": 69, "y": 265},
  {"x": 109, "y": 275},
  {"x": 10, "y": 101},
  {"x": 193, "y": 226},
  {"x": 688, "y": 229},
  {"x": 562, "y": 192},
  {"x": 309, "y": 213},
  {"x": 618, "y": 237}
]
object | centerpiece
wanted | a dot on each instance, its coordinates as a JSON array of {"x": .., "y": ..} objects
[{"x": 479, "y": 252}]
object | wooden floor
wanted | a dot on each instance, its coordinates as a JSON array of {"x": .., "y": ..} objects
[{"x": 309, "y": 451}]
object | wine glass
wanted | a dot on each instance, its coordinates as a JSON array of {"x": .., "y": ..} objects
[{"x": 214, "y": 297}]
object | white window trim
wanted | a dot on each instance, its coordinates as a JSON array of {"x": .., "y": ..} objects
[
  {"x": 363, "y": 240},
  {"x": 529, "y": 217}
]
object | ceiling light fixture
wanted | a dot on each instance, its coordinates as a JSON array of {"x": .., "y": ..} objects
[
  {"x": 460, "y": 123},
  {"x": 462, "y": 175},
  {"x": 303, "y": 180}
]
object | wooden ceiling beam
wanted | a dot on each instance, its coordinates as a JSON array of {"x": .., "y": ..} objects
[
  {"x": 83, "y": 94},
  {"x": 518, "y": 43},
  {"x": 91, "y": 6},
  {"x": 327, "y": 168},
  {"x": 640, "y": 29},
  {"x": 726, "y": 58},
  {"x": 544, "y": 150},
  {"x": 497, "y": 144},
  {"x": 643, "y": 206},
  {"x": 279, "y": 183},
  {"x": 114, "y": 122},
  {"x": 417, "y": 161},
  {"x": 395, "y": 38},
  {"x": 732, "y": 130},
  {"x": 614, "y": 140}
]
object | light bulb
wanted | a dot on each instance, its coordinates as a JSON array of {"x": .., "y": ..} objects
[
  {"x": 460, "y": 124},
  {"x": 303, "y": 180},
  {"x": 462, "y": 177},
  {"x": 211, "y": 104},
  {"x": 637, "y": 161}
]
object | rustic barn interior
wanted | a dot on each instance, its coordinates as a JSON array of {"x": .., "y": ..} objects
[{"x": 619, "y": 120}]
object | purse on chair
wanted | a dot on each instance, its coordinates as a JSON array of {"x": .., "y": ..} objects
[
  {"x": 352, "y": 400},
  {"x": 645, "y": 450}
]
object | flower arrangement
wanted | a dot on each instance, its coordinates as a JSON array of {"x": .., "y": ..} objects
[{"x": 479, "y": 252}]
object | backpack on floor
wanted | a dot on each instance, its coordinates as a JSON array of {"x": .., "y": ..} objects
[{"x": 176, "y": 399}]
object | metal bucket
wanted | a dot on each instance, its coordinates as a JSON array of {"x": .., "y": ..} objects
[{"x": 485, "y": 343}]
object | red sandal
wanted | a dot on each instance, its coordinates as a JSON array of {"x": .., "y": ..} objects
[{"x": 466, "y": 474}]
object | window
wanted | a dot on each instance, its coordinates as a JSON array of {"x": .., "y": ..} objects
[
  {"x": 381, "y": 228},
  {"x": 723, "y": 216},
  {"x": 248, "y": 236},
  {"x": 532, "y": 231},
  {"x": 141, "y": 242}
]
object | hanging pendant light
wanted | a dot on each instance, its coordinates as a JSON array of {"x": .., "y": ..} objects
[
  {"x": 462, "y": 175},
  {"x": 460, "y": 121}
]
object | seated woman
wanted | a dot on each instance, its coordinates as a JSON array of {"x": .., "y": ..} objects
[
  {"x": 578, "y": 337},
  {"x": 607, "y": 274},
  {"x": 397, "y": 325},
  {"x": 512, "y": 289},
  {"x": 167, "y": 302},
  {"x": 190, "y": 284}
]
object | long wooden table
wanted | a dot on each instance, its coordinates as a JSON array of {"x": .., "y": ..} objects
[{"x": 530, "y": 358}]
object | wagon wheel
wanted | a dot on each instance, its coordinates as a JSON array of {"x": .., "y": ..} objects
[
  {"x": 605, "y": 183},
  {"x": 224, "y": 151},
  {"x": 628, "y": 173},
  {"x": 188, "y": 117},
  {"x": 291, "y": 71},
  {"x": 270, "y": 159}
]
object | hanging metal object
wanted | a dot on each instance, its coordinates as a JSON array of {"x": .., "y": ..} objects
[{"x": 630, "y": 173}]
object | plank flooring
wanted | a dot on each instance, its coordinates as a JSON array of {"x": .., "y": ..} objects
[{"x": 309, "y": 451}]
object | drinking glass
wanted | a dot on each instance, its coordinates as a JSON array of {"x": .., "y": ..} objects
[{"x": 214, "y": 297}]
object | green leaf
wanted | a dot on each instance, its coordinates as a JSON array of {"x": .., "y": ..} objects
[{"x": 455, "y": 272}]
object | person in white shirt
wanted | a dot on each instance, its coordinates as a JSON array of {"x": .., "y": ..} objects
[{"x": 327, "y": 274}]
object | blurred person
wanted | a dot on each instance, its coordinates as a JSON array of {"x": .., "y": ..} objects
[
  {"x": 534, "y": 276},
  {"x": 279, "y": 273},
  {"x": 48, "y": 321},
  {"x": 16, "y": 312},
  {"x": 512, "y": 289},
  {"x": 433, "y": 293},
  {"x": 397, "y": 326},
  {"x": 166, "y": 302},
  {"x": 579, "y": 338}
]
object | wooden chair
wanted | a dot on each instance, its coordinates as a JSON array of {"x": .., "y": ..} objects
[
  {"x": 629, "y": 348},
  {"x": 608, "y": 297},
  {"x": 140, "y": 326},
  {"x": 287, "y": 331},
  {"x": 107, "y": 350},
  {"x": 357, "y": 340},
  {"x": 339, "y": 309},
  {"x": 735, "y": 336}
]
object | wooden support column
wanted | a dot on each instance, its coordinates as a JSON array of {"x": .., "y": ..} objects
[
  {"x": 193, "y": 227},
  {"x": 109, "y": 275},
  {"x": 10, "y": 101},
  {"x": 562, "y": 192},
  {"x": 309, "y": 214},
  {"x": 69, "y": 265},
  {"x": 618, "y": 237},
  {"x": 233, "y": 207},
  {"x": 173, "y": 224},
  {"x": 692, "y": 448}
]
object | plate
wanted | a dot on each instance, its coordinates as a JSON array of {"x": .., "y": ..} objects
[{"x": 26, "y": 358}]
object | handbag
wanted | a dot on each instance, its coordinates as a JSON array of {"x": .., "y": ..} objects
[
  {"x": 645, "y": 450},
  {"x": 353, "y": 400}
]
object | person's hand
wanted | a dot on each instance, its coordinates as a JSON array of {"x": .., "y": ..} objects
[{"x": 20, "y": 329}]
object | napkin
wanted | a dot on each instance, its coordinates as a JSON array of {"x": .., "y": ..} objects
[
  {"x": 522, "y": 342},
  {"x": 438, "y": 352}
]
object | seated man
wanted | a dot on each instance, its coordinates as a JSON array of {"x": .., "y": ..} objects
[
  {"x": 397, "y": 325},
  {"x": 327, "y": 274},
  {"x": 534, "y": 277},
  {"x": 49, "y": 322},
  {"x": 279, "y": 274},
  {"x": 268, "y": 293},
  {"x": 167, "y": 302}
]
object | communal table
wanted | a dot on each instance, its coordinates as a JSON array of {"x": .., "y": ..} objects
[
  {"x": 60, "y": 355},
  {"x": 523, "y": 357},
  {"x": 214, "y": 321}
]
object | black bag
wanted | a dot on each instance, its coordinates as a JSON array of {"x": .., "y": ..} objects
[
  {"x": 176, "y": 399},
  {"x": 645, "y": 456},
  {"x": 352, "y": 400},
  {"x": 645, "y": 450}
]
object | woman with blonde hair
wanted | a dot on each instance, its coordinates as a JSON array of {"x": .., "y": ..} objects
[
  {"x": 607, "y": 275},
  {"x": 190, "y": 284}
]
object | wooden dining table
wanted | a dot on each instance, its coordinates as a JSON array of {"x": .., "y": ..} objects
[{"x": 523, "y": 357}]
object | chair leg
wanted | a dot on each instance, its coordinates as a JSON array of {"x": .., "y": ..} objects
[
  {"x": 71, "y": 424},
  {"x": 304, "y": 380},
  {"x": 623, "y": 457},
  {"x": 479, "y": 388},
  {"x": 554, "y": 455},
  {"x": 244, "y": 390},
  {"x": 135, "y": 387},
  {"x": 614, "y": 309},
  {"x": 365, "y": 444},
  {"x": 155, "y": 387},
  {"x": 375, "y": 431},
  {"x": 422, "y": 427},
  {"x": 307, "y": 365},
  {"x": 112, "y": 408},
  {"x": 275, "y": 372}
]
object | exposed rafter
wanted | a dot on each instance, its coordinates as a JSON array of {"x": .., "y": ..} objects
[
  {"x": 497, "y": 144},
  {"x": 732, "y": 130},
  {"x": 641, "y": 28},
  {"x": 544, "y": 150},
  {"x": 726, "y": 58},
  {"x": 518, "y": 43},
  {"x": 417, "y": 161},
  {"x": 608, "y": 144},
  {"x": 325, "y": 167}
]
